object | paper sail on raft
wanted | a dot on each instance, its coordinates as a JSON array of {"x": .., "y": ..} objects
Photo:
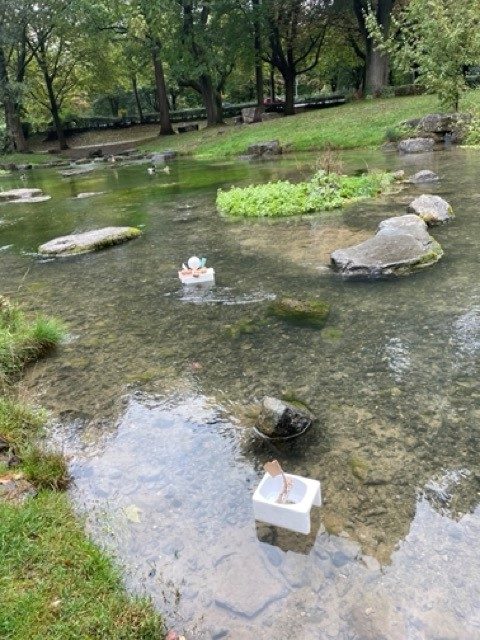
[{"x": 195, "y": 272}]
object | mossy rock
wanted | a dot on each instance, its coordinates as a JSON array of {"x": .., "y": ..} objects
[
  {"x": 89, "y": 241},
  {"x": 312, "y": 313}
]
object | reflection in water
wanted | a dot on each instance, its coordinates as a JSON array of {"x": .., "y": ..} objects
[
  {"x": 393, "y": 379},
  {"x": 170, "y": 495}
]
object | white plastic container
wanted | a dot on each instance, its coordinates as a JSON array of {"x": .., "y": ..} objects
[
  {"x": 206, "y": 275},
  {"x": 293, "y": 514}
]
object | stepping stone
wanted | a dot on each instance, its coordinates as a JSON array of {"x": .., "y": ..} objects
[
  {"x": 401, "y": 245},
  {"x": 87, "y": 242},
  {"x": 432, "y": 209}
]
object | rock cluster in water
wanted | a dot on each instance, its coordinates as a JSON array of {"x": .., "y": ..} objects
[
  {"x": 401, "y": 245},
  {"x": 89, "y": 241},
  {"x": 283, "y": 420}
]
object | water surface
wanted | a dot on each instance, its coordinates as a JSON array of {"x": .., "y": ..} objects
[{"x": 149, "y": 395}]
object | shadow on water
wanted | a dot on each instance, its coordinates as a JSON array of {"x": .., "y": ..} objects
[{"x": 148, "y": 397}]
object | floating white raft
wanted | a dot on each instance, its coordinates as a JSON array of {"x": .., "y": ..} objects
[
  {"x": 200, "y": 276},
  {"x": 294, "y": 513}
]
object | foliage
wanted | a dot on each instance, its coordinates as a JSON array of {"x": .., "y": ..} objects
[
  {"x": 55, "y": 584},
  {"x": 437, "y": 38},
  {"x": 322, "y": 193}
]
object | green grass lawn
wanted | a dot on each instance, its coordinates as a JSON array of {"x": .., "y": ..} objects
[
  {"x": 27, "y": 158},
  {"x": 54, "y": 583},
  {"x": 350, "y": 126}
]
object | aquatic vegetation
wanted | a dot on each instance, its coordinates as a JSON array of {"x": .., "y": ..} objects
[
  {"x": 324, "y": 192},
  {"x": 308, "y": 312}
]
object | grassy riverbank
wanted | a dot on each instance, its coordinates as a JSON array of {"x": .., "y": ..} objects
[
  {"x": 358, "y": 124},
  {"x": 350, "y": 126},
  {"x": 54, "y": 583}
]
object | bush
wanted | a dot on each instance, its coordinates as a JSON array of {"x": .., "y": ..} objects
[{"x": 323, "y": 192}]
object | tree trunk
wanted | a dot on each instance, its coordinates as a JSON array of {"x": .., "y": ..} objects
[
  {"x": 377, "y": 71},
  {"x": 55, "y": 111},
  {"x": 257, "y": 44},
  {"x": 14, "y": 138},
  {"x": 137, "y": 98},
  {"x": 211, "y": 100},
  {"x": 289, "y": 80},
  {"x": 272, "y": 83},
  {"x": 166, "y": 128}
]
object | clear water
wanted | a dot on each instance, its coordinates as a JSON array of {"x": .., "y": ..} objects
[{"x": 150, "y": 398}]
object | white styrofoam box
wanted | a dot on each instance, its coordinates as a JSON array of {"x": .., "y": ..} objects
[
  {"x": 304, "y": 493},
  {"x": 207, "y": 276}
]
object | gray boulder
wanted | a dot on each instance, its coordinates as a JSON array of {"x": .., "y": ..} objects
[
  {"x": 250, "y": 115},
  {"x": 401, "y": 245},
  {"x": 416, "y": 145},
  {"x": 424, "y": 176},
  {"x": 95, "y": 240},
  {"x": 162, "y": 157},
  {"x": 268, "y": 148},
  {"x": 283, "y": 420},
  {"x": 443, "y": 126},
  {"x": 432, "y": 209}
]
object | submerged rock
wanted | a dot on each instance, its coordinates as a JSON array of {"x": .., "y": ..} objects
[
  {"x": 308, "y": 312},
  {"x": 269, "y": 148},
  {"x": 89, "y": 194},
  {"x": 401, "y": 245},
  {"x": 283, "y": 420},
  {"x": 416, "y": 145},
  {"x": 424, "y": 176},
  {"x": 432, "y": 209},
  {"x": 76, "y": 172},
  {"x": 89, "y": 241}
]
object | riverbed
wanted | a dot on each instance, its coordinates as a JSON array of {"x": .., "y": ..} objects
[{"x": 150, "y": 398}]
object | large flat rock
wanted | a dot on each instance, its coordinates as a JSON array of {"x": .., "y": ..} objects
[
  {"x": 401, "y": 245},
  {"x": 23, "y": 195},
  {"x": 89, "y": 241}
]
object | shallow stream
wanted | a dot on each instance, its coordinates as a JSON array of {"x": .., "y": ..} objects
[{"x": 148, "y": 397}]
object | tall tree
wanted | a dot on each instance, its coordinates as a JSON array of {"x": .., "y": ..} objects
[
  {"x": 13, "y": 63},
  {"x": 210, "y": 36},
  {"x": 376, "y": 58},
  {"x": 295, "y": 31},
  {"x": 257, "y": 46}
]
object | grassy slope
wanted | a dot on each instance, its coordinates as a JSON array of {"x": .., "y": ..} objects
[
  {"x": 354, "y": 125},
  {"x": 54, "y": 583}
]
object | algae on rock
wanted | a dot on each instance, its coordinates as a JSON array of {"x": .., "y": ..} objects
[{"x": 308, "y": 312}]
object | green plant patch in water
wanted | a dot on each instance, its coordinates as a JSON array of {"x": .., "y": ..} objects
[
  {"x": 323, "y": 192},
  {"x": 313, "y": 313}
]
